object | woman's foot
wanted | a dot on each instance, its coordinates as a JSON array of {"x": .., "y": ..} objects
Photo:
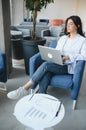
[{"x": 18, "y": 93}]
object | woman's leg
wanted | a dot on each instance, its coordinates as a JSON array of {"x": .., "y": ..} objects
[
  {"x": 45, "y": 72},
  {"x": 48, "y": 67},
  {"x": 37, "y": 77},
  {"x": 43, "y": 84},
  {"x": 42, "y": 70}
]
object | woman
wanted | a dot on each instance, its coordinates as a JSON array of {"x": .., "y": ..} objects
[{"x": 72, "y": 46}]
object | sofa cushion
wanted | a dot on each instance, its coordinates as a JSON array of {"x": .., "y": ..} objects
[
  {"x": 56, "y": 30},
  {"x": 44, "y": 20}
]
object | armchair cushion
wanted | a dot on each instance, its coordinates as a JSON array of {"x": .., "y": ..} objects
[{"x": 62, "y": 81}]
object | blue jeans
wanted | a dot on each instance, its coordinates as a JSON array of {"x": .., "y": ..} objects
[{"x": 43, "y": 74}]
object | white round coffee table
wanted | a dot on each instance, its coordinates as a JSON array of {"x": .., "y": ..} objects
[{"x": 39, "y": 111}]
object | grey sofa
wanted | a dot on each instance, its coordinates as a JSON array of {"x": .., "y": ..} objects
[{"x": 26, "y": 28}]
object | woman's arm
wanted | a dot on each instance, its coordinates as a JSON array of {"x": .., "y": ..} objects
[{"x": 81, "y": 55}]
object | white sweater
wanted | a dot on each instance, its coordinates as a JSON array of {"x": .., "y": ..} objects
[{"x": 75, "y": 48}]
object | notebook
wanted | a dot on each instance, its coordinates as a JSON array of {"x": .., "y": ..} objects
[{"x": 51, "y": 54}]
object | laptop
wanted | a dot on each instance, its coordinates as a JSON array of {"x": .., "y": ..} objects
[{"x": 51, "y": 54}]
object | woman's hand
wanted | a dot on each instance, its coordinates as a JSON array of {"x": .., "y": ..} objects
[{"x": 64, "y": 58}]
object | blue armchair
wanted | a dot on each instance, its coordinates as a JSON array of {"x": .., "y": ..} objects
[
  {"x": 3, "y": 70},
  {"x": 72, "y": 82}
]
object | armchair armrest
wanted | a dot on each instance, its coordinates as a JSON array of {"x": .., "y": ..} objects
[
  {"x": 77, "y": 78},
  {"x": 3, "y": 67},
  {"x": 45, "y": 33}
]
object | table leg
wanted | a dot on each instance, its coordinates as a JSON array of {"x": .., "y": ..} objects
[
  {"x": 45, "y": 129},
  {"x": 40, "y": 129},
  {"x": 49, "y": 129}
]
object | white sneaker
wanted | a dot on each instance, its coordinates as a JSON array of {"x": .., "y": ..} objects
[{"x": 18, "y": 93}]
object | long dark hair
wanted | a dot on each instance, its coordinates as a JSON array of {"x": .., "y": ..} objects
[{"x": 77, "y": 21}]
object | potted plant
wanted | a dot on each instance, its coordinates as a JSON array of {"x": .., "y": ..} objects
[
  {"x": 30, "y": 44},
  {"x": 34, "y": 6}
]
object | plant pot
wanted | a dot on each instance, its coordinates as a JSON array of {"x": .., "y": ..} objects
[{"x": 30, "y": 47}]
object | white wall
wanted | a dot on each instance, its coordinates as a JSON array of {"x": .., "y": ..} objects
[
  {"x": 81, "y": 11},
  {"x": 60, "y": 9},
  {"x": 17, "y": 12}
]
